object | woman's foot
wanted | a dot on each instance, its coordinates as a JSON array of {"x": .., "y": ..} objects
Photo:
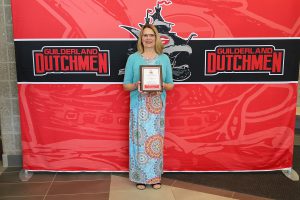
[
  {"x": 156, "y": 186},
  {"x": 140, "y": 186}
]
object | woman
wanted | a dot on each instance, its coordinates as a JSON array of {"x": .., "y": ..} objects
[{"x": 147, "y": 111}]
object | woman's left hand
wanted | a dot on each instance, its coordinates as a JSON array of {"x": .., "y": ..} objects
[{"x": 168, "y": 86}]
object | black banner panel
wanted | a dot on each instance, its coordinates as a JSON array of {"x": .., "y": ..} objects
[{"x": 239, "y": 60}]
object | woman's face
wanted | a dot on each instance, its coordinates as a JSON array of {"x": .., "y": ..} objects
[{"x": 148, "y": 38}]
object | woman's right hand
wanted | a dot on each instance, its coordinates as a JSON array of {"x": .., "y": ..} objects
[{"x": 139, "y": 88}]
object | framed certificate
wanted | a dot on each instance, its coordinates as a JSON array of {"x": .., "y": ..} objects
[{"x": 151, "y": 78}]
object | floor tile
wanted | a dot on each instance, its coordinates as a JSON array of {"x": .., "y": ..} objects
[
  {"x": 263, "y": 184},
  {"x": 185, "y": 194},
  {"x": 13, "y": 177},
  {"x": 119, "y": 183},
  {"x": 248, "y": 197},
  {"x": 13, "y": 169},
  {"x": 23, "y": 189},
  {"x": 165, "y": 193},
  {"x": 79, "y": 187},
  {"x": 100, "y": 196},
  {"x": 203, "y": 188},
  {"x": 122, "y": 174},
  {"x": 24, "y": 198},
  {"x": 82, "y": 176},
  {"x": 122, "y": 189},
  {"x": 167, "y": 181}
]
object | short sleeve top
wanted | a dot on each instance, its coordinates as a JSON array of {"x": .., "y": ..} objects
[{"x": 132, "y": 72}]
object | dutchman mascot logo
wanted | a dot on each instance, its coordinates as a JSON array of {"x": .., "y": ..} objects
[
  {"x": 71, "y": 59},
  {"x": 244, "y": 59},
  {"x": 174, "y": 46}
]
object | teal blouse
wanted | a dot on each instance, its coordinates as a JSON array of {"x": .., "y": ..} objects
[{"x": 132, "y": 73}]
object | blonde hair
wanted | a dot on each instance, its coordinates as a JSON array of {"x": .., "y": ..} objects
[{"x": 158, "y": 44}]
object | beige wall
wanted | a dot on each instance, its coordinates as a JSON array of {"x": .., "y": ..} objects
[{"x": 9, "y": 111}]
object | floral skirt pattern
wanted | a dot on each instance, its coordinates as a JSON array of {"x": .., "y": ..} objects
[{"x": 146, "y": 129}]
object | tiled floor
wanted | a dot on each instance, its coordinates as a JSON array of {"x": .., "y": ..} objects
[
  {"x": 120, "y": 188},
  {"x": 109, "y": 186}
]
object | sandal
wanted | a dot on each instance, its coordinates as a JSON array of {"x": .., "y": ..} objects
[
  {"x": 156, "y": 186},
  {"x": 140, "y": 186}
]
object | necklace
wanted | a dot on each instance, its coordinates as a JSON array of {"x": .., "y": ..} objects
[{"x": 149, "y": 57}]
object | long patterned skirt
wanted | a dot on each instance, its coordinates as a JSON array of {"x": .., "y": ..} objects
[{"x": 146, "y": 129}]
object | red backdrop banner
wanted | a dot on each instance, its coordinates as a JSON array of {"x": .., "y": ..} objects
[{"x": 239, "y": 118}]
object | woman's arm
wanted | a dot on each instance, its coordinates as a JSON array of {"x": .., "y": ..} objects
[
  {"x": 168, "y": 84},
  {"x": 130, "y": 86}
]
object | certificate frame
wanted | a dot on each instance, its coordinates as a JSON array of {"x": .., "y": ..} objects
[{"x": 151, "y": 78}]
